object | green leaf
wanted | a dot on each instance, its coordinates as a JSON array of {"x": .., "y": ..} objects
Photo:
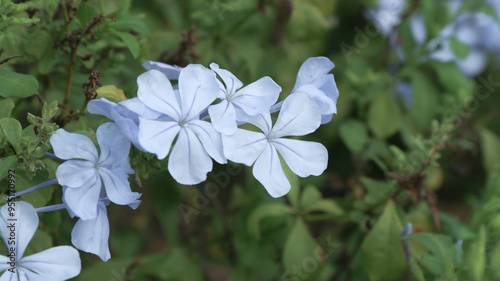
[
  {"x": 44, "y": 42},
  {"x": 131, "y": 43},
  {"x": 111, "y": 92},
  {"x": 354, "y": 134},
  {"x": 383, "y": 252},
  {"x": 114, "y": 269},
  {"x": 6, "y": 164},
  {"x": 12, "y": 131},
  {"x": 476, "y": 256},
  {"x": 302, "y": 251},
  {"x": 425, "y": 99},
  {"x": 452, "y": 79},
  {"x": 175, "y": 265},
  {"x": 490, "y": 149},
  {"x": 6, "y": 106},
  {"x": 85, "y": 13},
  {"x": 327, "y": 206},
  {"x": 17, "y": 85},
  {"x": 439, "y": 256},
  {"x": 460, "y": 49},
  {"x": 384, "y": 116},
  {"x": 127, "y": 23},
  {"x": 310, "y": 195},
  {"x": 264, "y": 211}
]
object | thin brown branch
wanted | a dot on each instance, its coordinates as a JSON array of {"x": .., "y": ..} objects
[{"x": 10, "y": 58}]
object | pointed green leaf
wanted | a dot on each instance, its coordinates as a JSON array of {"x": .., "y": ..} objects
[
  {"x": 302, "y": 251},
  {"x": 131, "y": 43},
  {"x": 112, "y": 93},
  {"x": 382, "y": 248},
  {"x": 7, "y": 163}
]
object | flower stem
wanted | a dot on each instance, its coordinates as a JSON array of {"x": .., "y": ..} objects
[
  {"x": 36, "y": 187},
  {"x": 51, "y": 208}
]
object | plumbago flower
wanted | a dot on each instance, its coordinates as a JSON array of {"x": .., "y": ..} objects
[
  {"x": 299, "y": 116},
  {"x": 58, "y": 263},
  {"x": 197, "y": 140},
  {"x": 92, "y": 235},
  {"x": 86, "y": 174},
  {"x": 314, "y": 80},
  {"x": 236, "y": 102}
]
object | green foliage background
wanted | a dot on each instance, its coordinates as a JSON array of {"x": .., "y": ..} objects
[{"x": 434, "y": 164}]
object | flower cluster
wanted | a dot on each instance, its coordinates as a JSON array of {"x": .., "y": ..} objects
[
  {"x": 468, "y": 40},
  {"x": 195, "y": 120}
]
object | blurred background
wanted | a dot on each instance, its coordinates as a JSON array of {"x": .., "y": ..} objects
[{"x": 412, "y": 189}]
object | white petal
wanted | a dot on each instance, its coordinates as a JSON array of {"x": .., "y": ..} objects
[
  {"x": 75, "y": 173},
  {"x": 25, "y": 221},
  {"x": 117, "y": 186},
  {"x": 244, "y": 146},
  {"x": 303, "y": 157},
  {"x": 312, "y": 68},
  {"x": 73, "y": 146},
  {"x": 417, "y": 26},
  {"x": 171, "y": 71},
  {"x": 58, "y": 263},
  {"x": 136, "y": 106},
  {"x": 198, "y": 88},
  {"x": 102, "y": 107},
  {"x": 189, "y": 163},
  {"x": 268, "y": 171},
  {"x": 258, "y": 96},
  {"x": 299, "y": 116},
  {"x": 92, "y": 235},
  {"x": 223, "y": 117},
  {"x": 209, "y": 138},
  {"x": 261, "y": 120},
  {"x": 157, "y": 136},
  {"x": 4, "y": 263},
  {"x": 326, "y": 83},
  {"x": 115, "y": 148},
  {"x": 82, "y": 201},
  {"x": 232, "y": 84},
  {"x": 325, "y": 104},
  {"x": 156, "y": 92}
]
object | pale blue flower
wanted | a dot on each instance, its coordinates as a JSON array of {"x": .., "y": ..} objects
[
  {"x": 85, "y": 173},
  {"x": 125, "y": 114},
  {"x": 479, "y": 32},
  {"x": 197, "y": 140},
  {"x": 313, "y": 79},
  {"x": 236, "y": 101},
  {"x": 386, "y": 15},
  {"x": 299, "y": 116},
  {"x": 92, "y": 235},
  {"x": 171, "y": 71},
  {"x": 57, "y": 263}
]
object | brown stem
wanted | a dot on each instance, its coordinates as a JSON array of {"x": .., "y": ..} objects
[
  {"x": 70, "y": 73},
  {"x": 432, "y": 202}
]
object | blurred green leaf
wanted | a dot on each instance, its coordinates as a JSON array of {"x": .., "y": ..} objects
[
  {"x": 6, "y": 106},
  {"x": 425, "y": 99},
  {"x": 12, "y": 130},
  {"x": 490, "y": 149},
  {"x": 264, "y": 211},
  {"x": 131, "y": 43},
  {"x": 439, "y": 256},
  {"x": 460, "y": 49},
  {"x": 476, "y": 255},
  {"x": 301, "y": 251},
  {"x": 384, "y": 116},
  {"x": 17, "y": 85},
  {"x": 382, "y": 248},
  {"x": 354, "y": 134},
  {"x": 85, "y": 13}
]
